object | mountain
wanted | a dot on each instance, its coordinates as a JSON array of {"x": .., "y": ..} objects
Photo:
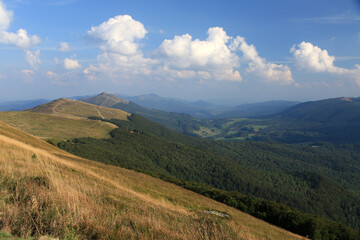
[
  {"x": 198, "y": 109},
  {"x": 334, "y": 120},
  {"x": 336, "y": 110},
  {"x": 257, "y": 109},
  {"x": 21, "y": 105},
  {"x": 64, "y": 119},
  {"x": 104, "y": 99},
  {"x": 46, "y": 191},
  {"x": 206, "y": 110},
  {"x": 179, "y": 122},
  {"x": 266, "y": 170},
  {"x": 78, "y": 109}
]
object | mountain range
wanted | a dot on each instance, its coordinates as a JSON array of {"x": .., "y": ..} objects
[{"x": 317, "y": 178}]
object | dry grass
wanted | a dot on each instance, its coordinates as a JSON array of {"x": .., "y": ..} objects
[
  {"x": 45, "y": 191},
  {"x": 71, "y": 108},
  {"x": 50, "y": 126}
]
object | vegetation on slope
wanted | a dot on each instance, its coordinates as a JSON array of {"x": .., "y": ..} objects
[
  {"x": 179, "y": 122},
  {"x": 64, "y": 119},
  {"x": 104, "y": 99},
  {"x": 48, "y": 126},
  {"x": 75, "y": 109},
  {"x": 45, "y": 191},
  {"x": 331, "y": 120},
  {"x": 221, "y": 165}
]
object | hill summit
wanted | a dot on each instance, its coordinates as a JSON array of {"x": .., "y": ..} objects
[
  {"x": 105, "y": 99},
  {"x": 78, "y": 109}
]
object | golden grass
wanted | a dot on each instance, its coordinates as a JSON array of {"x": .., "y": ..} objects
[
  {"x": 50, "y": 126},
  {"x": 46, "y": 191},
  {"x": 72, "y": 108}
]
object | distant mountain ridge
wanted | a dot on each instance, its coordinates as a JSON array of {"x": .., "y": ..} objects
[
  {"x": 179, "y": 122},
  {"x": 104, "y": 99},
  {"x": 69, "y": 107},
  {"x": 21, "y": 105},
  {"x": 327, "y": 110},
  {"x": 205, "y": 110}
]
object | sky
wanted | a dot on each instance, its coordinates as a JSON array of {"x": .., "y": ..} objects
[{"x": 234, "y": 50}]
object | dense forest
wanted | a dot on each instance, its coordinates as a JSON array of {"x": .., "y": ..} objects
[{"x": 318, "y": 179}]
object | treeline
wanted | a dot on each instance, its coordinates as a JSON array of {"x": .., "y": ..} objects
[{"x": 301, "y": 223}]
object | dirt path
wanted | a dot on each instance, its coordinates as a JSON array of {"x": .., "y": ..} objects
[
  {"x": 99, "y": 113},
  {"x": 55, "y": 106}
]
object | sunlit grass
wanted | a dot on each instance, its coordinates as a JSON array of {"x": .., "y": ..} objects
[{"x": 45, "y": 191}]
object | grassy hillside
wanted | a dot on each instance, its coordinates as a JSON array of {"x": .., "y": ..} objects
[
  {"x": 49, "y": 126},
  {"x": 105, "y": 99},
  {"x": 78, "y": 109},
  {"x": 179, "y": 122},
  {"x": 276, "y": 172},
  {"x": 46, "y": 191},
  {"x": 64, "y": 119}
]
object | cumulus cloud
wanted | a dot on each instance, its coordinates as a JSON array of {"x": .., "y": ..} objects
[
  {"x": 33, "y": 58},
  {"x": 19, "y": 39},
  {"x": 268, "y": 71},
  {"x": 312, "y": 58},
  {"x": 119, "y": 35},
  {"x": 181, "y": 57},
  {"x": 212, "y": 55},
  {"x": 64, "y": 47},
  {"x": 121, "y": 54},
  {"x": 71, "y": 64},
  {"x": 5, "y": 16}
]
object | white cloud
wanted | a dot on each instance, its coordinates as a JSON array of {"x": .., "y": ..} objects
[
  {"x": 19, "y": 39},
  {"x": 71, "y": 64},
  {"x": 212, "y": 55},
  {"x": 5, "y": 16},
  {"x": 314, "y": 59},
  {"x": 64, "y": 47},
  {"x": 119, "y": 34},
  {"x": 121, "y": 54},
  {"x": 28, "y": 73},
  {"x": 268, "y": 71},
  {"x": 33, "y": 58},
  {"x": 2, "y": 76},
  {"x": 181, "y": 57}
]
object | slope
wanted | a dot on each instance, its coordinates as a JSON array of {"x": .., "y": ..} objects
[
  {"x": 179, "y": 122},
  {"x": 267, "y": 170},
  {"x": 78, "y": 109},
  {"x": 334, "y": 120},
  {"x": 334, "y": 110},
  {"x": 64, "y": 119},
  {"x": 46, "y": 191},
  {"x": 104, "y": 99}
]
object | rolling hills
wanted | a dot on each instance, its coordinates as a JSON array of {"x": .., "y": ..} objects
[
  {"x": 46, "y": 191},
  {"x": 64, "y": 119},
  {"x": 179, "y": 122},
  {"x": 320, "y": 180}
]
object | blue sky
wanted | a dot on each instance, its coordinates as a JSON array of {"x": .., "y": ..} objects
[{"x": 244, "y": 51}]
